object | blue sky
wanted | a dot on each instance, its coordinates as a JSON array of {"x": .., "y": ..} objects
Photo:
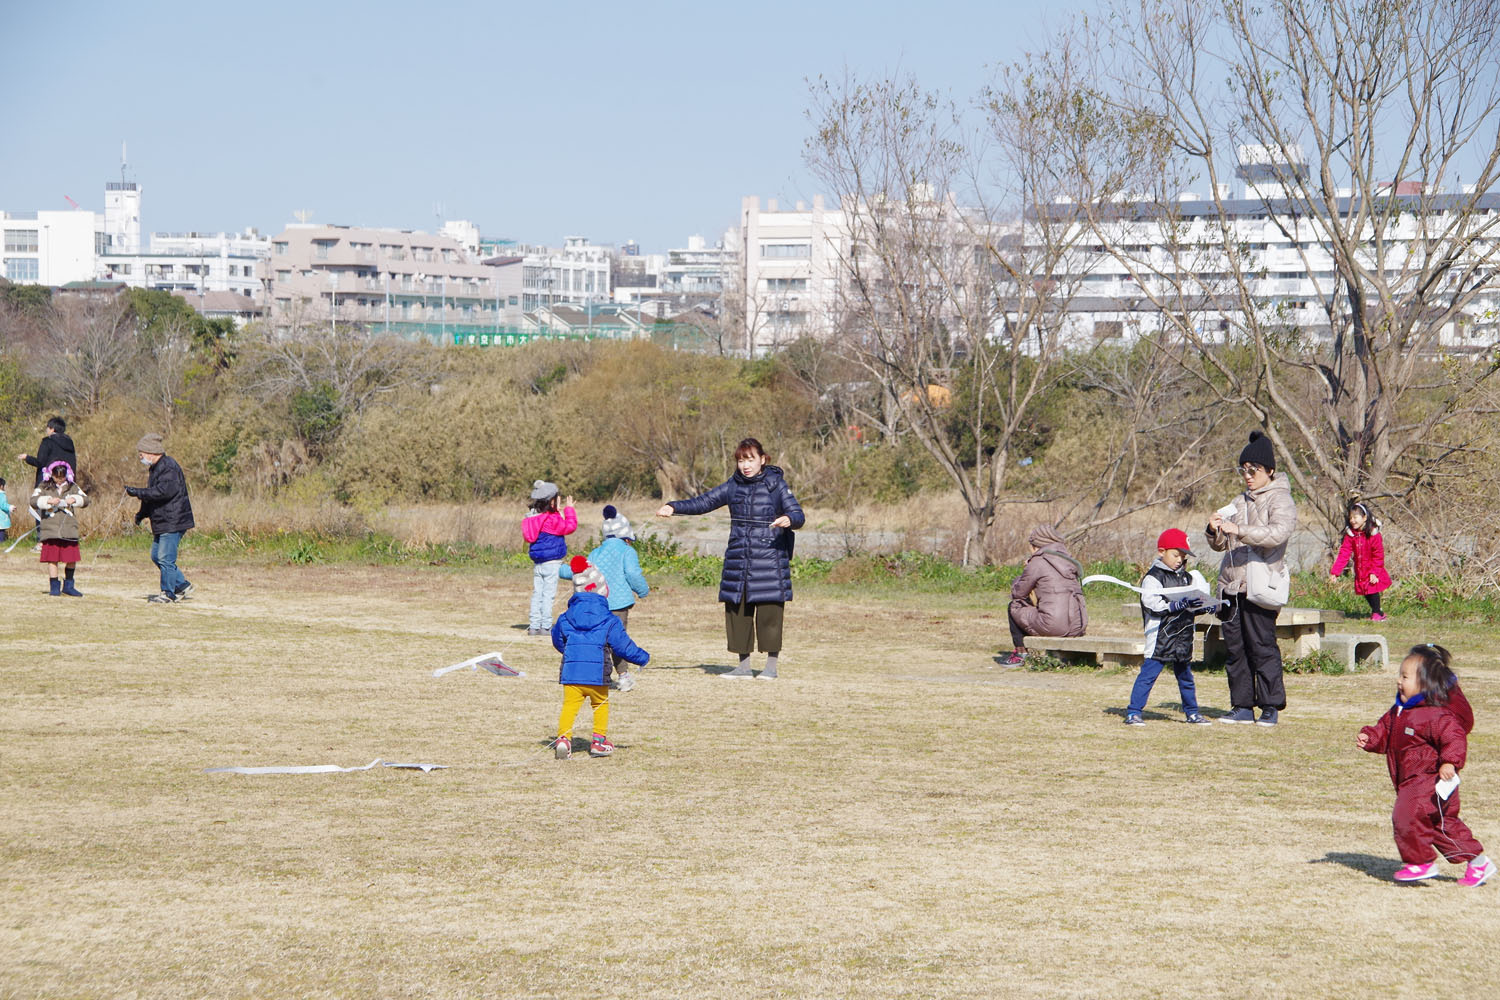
[{"x": 645, "y": 121}]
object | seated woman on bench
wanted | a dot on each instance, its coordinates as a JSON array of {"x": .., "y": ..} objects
[{"x": 1051, "y": 580}]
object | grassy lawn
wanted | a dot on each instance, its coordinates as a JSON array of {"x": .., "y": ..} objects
[{"x": 894, "y": 817}]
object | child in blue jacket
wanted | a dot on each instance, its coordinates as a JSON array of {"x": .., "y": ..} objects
[
  {"x": 581, "y": 634},
  {"x": 617, "y": 560}
]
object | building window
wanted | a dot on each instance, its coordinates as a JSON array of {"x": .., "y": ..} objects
[
  {"x": 21, "y": 241},
  {"x": 279, "y": 248},
  {"x": 786, "y": 250},
  {"x": 786, "y": 284},
  {"x": 22, "y": 268},
  {"x": 321, "y": 248}
]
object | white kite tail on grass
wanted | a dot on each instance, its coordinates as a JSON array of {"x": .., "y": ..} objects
[
  {"x": 18, "y": 539},
  {"x": 294, "y": 769},
  {"x": 493, "y": 662}
]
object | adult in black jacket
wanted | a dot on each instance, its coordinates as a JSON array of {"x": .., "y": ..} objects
[
  {"x": 757, "y": 579},
  {"x": 164, "y": 500},
  {"x": 56, "y": 446}
]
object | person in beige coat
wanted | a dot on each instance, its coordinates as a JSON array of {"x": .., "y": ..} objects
[
  {"x": 1264, "y": 518},
  {"x": 1051, "y": 578}
]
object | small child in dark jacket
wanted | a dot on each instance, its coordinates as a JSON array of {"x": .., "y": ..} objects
[
  {"x": 581, "y": 634},
  {"x": 1425, "y": 739},
  {"x": 1169, "y": 628}
]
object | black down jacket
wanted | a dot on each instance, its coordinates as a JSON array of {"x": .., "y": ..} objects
[
  {"x": 758, "y": 558},
  {"x": 164, "y": 498}
]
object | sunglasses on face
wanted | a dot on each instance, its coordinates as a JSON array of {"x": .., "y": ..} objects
[{"x": 1250, "y": 469}]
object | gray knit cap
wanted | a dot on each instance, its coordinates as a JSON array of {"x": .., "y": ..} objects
[
  {"x": 151, "y": 444},
  {"x": 543, "y": 490}
]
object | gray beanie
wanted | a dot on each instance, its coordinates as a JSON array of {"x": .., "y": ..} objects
[
  {"x": 151, "y": 444},
  {"x": 616, "y": 525},
  {"x": 543, "y": 490}
]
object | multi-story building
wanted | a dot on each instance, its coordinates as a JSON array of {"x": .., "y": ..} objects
[
  {"x": 787, "y": 272},
  {"x": 192, "y": 262},
  {"x": 576, "y": 274},
  {"x": 697, "y": 270},
  {"x": 50, "y": 247},
  {"x": 409, "y": 283},
  {"x": 1159, "y": 262}
]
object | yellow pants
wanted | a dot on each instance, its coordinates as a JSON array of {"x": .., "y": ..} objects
[{"x": 573, "y": 695}]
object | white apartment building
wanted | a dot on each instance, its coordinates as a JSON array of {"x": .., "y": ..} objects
[
  {"x": 1290, "y": 271},
  {"x": 697, "y": 270},
  {"x": 576, "y": 274},
  {"x": 787, "y": 271},
  {"x": 412, "y": 284},
  {"x": 50, "y": 247},
  {"x": 192, "y": 262}
]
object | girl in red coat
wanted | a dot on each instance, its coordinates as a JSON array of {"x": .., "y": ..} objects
[
  {"x": 1362, "y": 540},
  {"x": 1425, "y": 739}
]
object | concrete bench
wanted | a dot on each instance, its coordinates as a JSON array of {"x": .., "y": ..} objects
[
  {"x": 1104, "y": 650},
  {"x": 1355, "y": 649}
]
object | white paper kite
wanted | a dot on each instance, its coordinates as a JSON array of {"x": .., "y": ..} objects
[{"x": 493, "y": 662}]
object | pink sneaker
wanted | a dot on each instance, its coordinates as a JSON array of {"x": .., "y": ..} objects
[
  {"x": 1476, "y": 874},
  {"x": 1377, "y": 617},
  {"x": 1415, "y": 873}
]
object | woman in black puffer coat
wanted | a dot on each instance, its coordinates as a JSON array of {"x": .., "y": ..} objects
[{"x": 757, "y": 580}]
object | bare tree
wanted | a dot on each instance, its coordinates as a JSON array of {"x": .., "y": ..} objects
[
  {"x": 957, "y": 309},
  {"x": 90, "y": 343},
  {"x": 1369, "y": 136},
  {"x": 330, "y": 377},
  {"x": 166, "y": 365}
]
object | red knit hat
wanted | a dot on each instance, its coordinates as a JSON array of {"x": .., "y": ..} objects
[
  {"x": 587, "y": 578},
  {"x": 1173, "y": 538}
]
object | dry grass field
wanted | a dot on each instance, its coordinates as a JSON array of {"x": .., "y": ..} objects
[{"x": 895, "y": 817}]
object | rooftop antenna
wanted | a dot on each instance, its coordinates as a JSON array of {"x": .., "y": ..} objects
[
  {"x": 122, "y": 161},
  {"x": 302, "y": 215},
  {"x": 437, "y": 210}
]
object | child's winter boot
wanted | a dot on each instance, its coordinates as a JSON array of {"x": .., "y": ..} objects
[{"x": 56, "y": 586}]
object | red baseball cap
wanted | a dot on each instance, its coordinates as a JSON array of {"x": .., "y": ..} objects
[{"x": 1174, "y": 538}]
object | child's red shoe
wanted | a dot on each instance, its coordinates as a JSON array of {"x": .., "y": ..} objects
[
  {"x": 601, "y": 747},
  {"x": 562, "y": 747}
]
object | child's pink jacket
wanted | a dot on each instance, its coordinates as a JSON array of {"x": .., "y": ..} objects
[
  {"x": 551, "y": 523},
  {"x": 1369, "y": 557}
]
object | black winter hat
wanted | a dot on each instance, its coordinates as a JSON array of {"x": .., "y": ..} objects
[{"x": 1259, "y": 451}]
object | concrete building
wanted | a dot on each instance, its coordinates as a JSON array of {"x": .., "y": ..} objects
[
  {"x": 697, "y": 270},
  {"x": 409, "y": 283},
  {"x": 193, "y": 262},
  {"x": 50, "y": 247},
  {"x": 577, "y": 274},
  {"x": 1173, "y": 260},
  {"x": 787, "y": 271},
  {"x": 122, "y": 216}
]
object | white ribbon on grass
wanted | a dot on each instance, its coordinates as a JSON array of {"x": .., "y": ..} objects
[
  {"x": 323, "y": 768},
  {"x": 295, "y": 769}
]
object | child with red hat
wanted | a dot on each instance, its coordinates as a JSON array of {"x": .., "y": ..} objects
[
  {"x": 1168, "y": 620},
  {"x": 582, "y": 634}
]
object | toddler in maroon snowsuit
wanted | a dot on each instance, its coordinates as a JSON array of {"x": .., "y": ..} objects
[{"x": 1425, "y": 738}]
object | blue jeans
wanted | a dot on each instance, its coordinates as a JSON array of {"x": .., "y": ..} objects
[
  {"x": 543, "y": 593},
  {"x": 164, "y": 554},
  {"x": 1147, "y": 677}
]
